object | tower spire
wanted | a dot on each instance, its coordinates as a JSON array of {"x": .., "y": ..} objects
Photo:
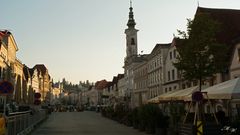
[{"x": 131, "y": 22}]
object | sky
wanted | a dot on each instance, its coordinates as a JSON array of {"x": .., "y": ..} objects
[{"x": 84, "y": 39}]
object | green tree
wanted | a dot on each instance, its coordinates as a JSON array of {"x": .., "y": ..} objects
[{"x": 200, "y": 54}]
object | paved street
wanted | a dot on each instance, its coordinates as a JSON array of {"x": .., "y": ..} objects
[{"x": 82, "y": 123}]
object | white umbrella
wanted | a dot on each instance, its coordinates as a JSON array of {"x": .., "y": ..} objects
[
  {"x": 178, "y": 95},
  {"x": 226, "y": 90}
]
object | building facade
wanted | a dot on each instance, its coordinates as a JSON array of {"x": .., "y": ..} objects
[
  {"x": 171, "y": 74},
  {"x": 44, "y": 81},
  {"x": 155, "y": 69},
  {"x": 140, "y": 92}
]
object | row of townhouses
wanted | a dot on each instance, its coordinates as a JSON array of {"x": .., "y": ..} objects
[
  {"x": 26, "y": 81},
  {"x": 149, "y": 75}
]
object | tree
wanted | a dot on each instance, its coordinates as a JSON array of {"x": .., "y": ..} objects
[{"x": 200, "y": 54}]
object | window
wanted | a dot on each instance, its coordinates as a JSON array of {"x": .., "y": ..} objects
[
  {"x": 165, "y": 90},
  {"x": 175, "y": 87},
  {"x": 170, "y": 89},
  {"x": 168, "y": 75},
  {"x": 170, "y": 55},
  {"x": 173, "y": 74},
  {"x": 132, "y": 41}
]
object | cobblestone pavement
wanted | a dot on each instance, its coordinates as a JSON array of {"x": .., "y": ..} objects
[{"x": 82, "y": 123}]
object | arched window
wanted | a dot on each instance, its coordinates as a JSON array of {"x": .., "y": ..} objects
[{"x": 132, "y": 41}]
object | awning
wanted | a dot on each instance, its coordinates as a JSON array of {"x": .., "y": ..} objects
[
  {"x": 154, "y": 100},
  {"x": 226, "y": 90},
  {"x": 178, "y": 95}
]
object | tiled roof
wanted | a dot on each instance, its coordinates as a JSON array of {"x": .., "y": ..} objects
[
  {"x": 101, "y": 84},
  {"x": 229, "y": 19}
]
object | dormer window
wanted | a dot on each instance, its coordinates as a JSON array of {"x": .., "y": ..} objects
[{"x": 132, "y": 41}]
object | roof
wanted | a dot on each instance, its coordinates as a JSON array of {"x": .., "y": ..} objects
[
  {"x": 4, "y": 36},
  {"x": 115, "y": 79},
  {"x": 120, "y": 76},
  {"x": 229, "y": 19},
  {"x": 101, "y": 84},
  {"x": 26, "y": 72},
  {"x": 31, "y": 71},
  {"x": 41, "y": 67},
  {"x": 158, "y": 46}
]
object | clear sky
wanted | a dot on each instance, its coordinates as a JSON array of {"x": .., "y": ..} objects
[{"x": 84, "y": 39}]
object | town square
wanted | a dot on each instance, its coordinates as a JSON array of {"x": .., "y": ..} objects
[{"x": 120, "y": 67}]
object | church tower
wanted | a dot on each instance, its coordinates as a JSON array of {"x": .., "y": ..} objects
[{"x": 131, "y": 35}]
